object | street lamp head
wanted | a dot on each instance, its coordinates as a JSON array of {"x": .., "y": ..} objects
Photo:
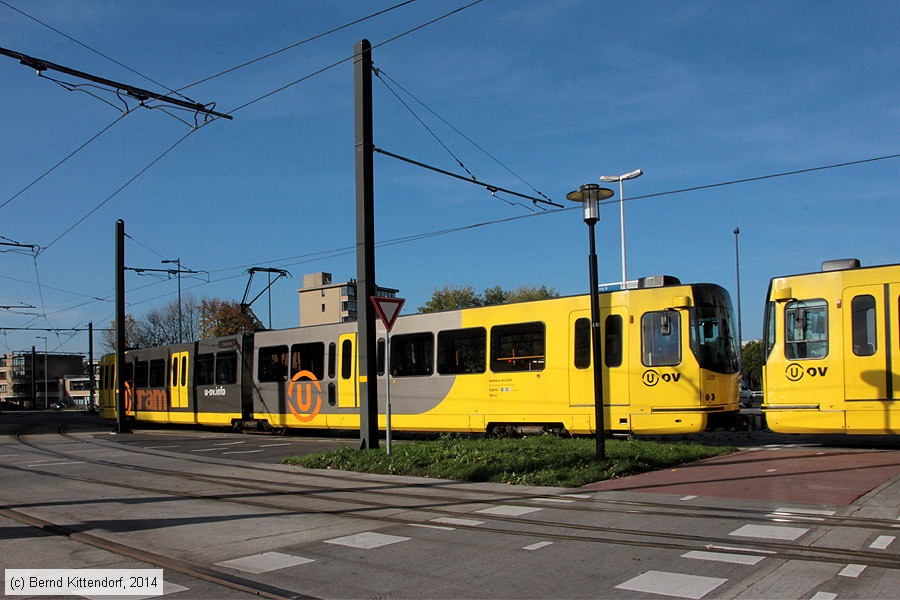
[
  {"x": 737, "y": 230},
  {"x": 590, "y": 195},
  {"x": 614, "y": 178}
]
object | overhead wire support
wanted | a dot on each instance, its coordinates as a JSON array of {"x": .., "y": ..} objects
[
  {"x": 139, "y": 94},
  {"x": 489, "y": 187}
]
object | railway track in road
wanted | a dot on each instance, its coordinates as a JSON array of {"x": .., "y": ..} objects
[{"x": 579, "y": 519}]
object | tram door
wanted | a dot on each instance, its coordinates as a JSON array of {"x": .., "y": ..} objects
[
  {"x": 347, "y": 363},
  {"x": 178, "y": 388},
  {"x": 869, "y": 347},
  {"x": 581, "y": 376}
]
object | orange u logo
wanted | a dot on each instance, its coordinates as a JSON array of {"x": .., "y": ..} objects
[{"x": 305, "y": 396}]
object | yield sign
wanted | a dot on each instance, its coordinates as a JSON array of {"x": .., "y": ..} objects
[{"x": 388, "y": 309}]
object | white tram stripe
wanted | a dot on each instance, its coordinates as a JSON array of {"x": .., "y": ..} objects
[
  {"x": 770, "y": 532},
  {"x": 368, "y": 540},
  {"x": 265, "y": 562},
  {"x": 823, "y": 596},
  {"x": 242, "y": 452},
  {"x": 507, "y": 510},
  {"x": 672, "y": 584},
  {"x": 726, "y": 557},
  {"x": 882, "y": 542},
  {"x": 537, "y": 546},
  {"x": 852, "y": 570},
  {"x": 804, "y": 511},
  {"x": 456, "y": 521}
]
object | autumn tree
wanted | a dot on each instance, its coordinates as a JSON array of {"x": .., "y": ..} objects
[{"x": 224, "y": 317}]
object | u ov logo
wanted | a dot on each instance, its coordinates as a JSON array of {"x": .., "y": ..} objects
[
  {"x": 795, "y": 372},
  {"x": 650, "y": 377},
  {"x": 305, "y": 396}
]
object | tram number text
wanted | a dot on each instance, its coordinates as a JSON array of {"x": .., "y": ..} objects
[{"x": 795, "y": 371}]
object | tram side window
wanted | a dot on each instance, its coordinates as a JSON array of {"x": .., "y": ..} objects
[
  {"x": 332, "y": 359},
  {"x": 273, "y": 364},
  {"x": 582, "y": 343},
  {"x": 412, "y": 355},
  {"x": 128, "y": 373},
  {"x": 379, "y": 355},
  {"x": 612, "y": 351},
  {"x": 157, "y": 373},
  {"x": 863, "y": 320},
  {"x": 346, "y": 359},
  {"x": 519, "y": 347},
  {"x": 806, "y": 329},
  {"x": 203, "y": 369},
  {"x": 462, "y": 351},
  {"x": 661, "y": 338},
  {"x": 308, "y": 357},
  {"x": 226, "y": 367},
  {"x": 141, "y": 374},
  {"x": 174, "y": 371}
]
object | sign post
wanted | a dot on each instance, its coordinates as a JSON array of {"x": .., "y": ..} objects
[{"x": 388, "y": 309}]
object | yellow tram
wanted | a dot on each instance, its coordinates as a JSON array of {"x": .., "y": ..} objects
[
  {"x": 832, "y": 350},
  {"x": 670, "y": 365}
]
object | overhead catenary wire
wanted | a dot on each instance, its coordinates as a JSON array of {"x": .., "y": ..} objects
[
  {"x": 245, "y": 105},
  {"x": 382, "y": 75},
  {"x": 94, "y": 50}
]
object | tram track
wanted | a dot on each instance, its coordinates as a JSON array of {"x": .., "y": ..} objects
[{"x": 273, "y": 495}]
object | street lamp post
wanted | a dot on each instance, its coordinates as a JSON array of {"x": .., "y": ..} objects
[
  {"x": 620, "y": 178},
  {"x": 177, "y": 262},
  {"x": 737, "y": 267},
  {"x": 590, "y": 195},
  {"x": 46, "y": 367}
]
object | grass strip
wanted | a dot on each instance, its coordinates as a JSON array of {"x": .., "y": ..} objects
[{"x": 540, "y": 460}]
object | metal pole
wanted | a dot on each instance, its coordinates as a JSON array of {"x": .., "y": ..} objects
[
  {"x": 737, "y": 266},
  {"x": 121, "y": 421},
  {"x": 387, "y": 393},
  {"x": 365, "y": 246},
  {"x": 180, "y": 336},
  {"x": 92, "y": 386},
  {"x": 596, "y": 339},
  {"x": 622, "y": 228},
  {"x": 46, "y": 368}
]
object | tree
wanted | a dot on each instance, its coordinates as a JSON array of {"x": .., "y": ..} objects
[
  {"x": 132, "y": 335},
  {"x": 159, "y": 327},
  {"x": 452, "y": 297},
  {"x": 223, "y": 317},
  {"x": 752, "y": 361}
]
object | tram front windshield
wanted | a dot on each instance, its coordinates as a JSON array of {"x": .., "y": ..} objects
[{"x": 713, "y": 334}]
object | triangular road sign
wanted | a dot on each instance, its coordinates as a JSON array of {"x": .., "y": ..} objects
[{"x": 388, "y": 309}]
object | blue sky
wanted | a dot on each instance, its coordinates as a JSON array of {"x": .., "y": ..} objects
[{"x": 559, "y": 93}]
